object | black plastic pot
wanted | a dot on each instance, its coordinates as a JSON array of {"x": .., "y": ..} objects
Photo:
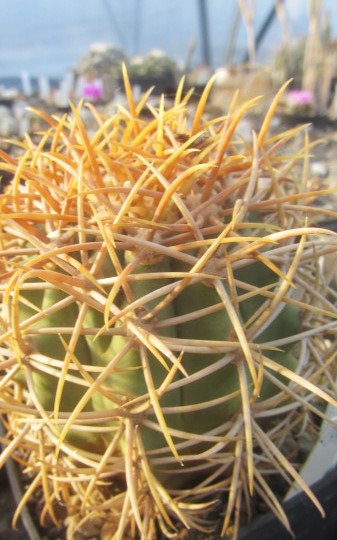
[
  {"x": 10, "y": 485},
  {"x": 11, "y": 494},
  {"x": 305, "y": 520}
]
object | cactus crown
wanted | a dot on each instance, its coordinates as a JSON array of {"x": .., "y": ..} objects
[{"x": 164, "y": 317}]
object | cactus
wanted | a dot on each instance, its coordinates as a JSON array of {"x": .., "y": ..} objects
[{"x": 165, "y": 320}]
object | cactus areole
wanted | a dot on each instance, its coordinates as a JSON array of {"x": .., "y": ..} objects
[{"x": 164, "y": 317}]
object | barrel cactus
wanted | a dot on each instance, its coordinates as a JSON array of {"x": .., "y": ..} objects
[{"x": 165, "y": 320}]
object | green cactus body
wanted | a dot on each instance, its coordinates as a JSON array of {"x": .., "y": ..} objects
[
  {"x": 215, "y": 326},
  {"x": 286, "y": 323},
  {"x": 51, "y": 346},
  {"x": 127, "y": 381}
]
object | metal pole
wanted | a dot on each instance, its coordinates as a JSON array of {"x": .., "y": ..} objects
[
  {"x": 232, "y": 36},
  {"x": 137, "y": 26},
  {"x": 113, "y": 21},
  {"x": 203, "y": 18},
  {"x": 263, "y": 30}
]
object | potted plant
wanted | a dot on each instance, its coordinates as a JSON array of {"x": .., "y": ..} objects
[
  {"x": 154, "y": 69},
  {"x": 166, "y": 327}
]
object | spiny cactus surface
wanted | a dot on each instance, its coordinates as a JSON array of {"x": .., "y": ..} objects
[{"x": 165, "y": 324}]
